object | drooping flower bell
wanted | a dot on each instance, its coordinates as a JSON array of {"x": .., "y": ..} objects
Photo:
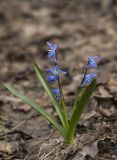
[
  {"x": 52, "y": 53},
  {"x": 56, "y": 71},
  {"x": 92, "y": 61},
  {"x": 56, "y": 92},
  {"x": 87, "y": 78},
  {"x": 52, "y": 78}
]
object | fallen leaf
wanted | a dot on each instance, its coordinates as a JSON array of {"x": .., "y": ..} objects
[
  {"x": 90, "y": 149},
  {"x": 8, "y": 147},
  {"x": 103, "y": 92}
]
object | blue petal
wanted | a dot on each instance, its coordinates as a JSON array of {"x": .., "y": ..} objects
[
  {"x": 56, "y": 92},
  {"x": 87, "y": 79},
  {"x": 51, "y": 53},
  {"x": 49, "y": 70},
  {"x": 52, "y": 46},
  {"x": 96, "y": 58},
  {"x": 92, "y": 61},
  {"x": 56, "y": 70},
  {"x": 62, "y": 72},
  {"x": 92, "y": 75},
  {"x": 52, "y": 78},
  {"x": 52, "y": 50}
]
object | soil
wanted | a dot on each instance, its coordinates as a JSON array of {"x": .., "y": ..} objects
[{"x": 80, "y": 28}]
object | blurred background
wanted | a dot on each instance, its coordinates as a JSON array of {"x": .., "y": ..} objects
[{"x": 81, "y": 28}]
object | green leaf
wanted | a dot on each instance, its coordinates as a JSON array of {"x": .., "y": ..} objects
[
  {"x": 79, "y": 108},
  {"x": 48, "y": 90},
  {"x": 63, "y": 105},
  {"x": 78, "y": 95},
  {"x": 36, "y": 107}
]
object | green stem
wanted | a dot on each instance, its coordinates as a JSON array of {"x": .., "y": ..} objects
[
  {"x": 63, "y": 104},
  {"x": 62, "y": 101}
]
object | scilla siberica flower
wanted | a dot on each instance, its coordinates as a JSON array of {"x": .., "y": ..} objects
[
  {"x": 56, "y": 70},
  {"x": 87, "y": 78},
  {"x": 52, "y": 78},
  {"x": 56, "y": 92},
  {"x": 92, "y": 61},
  {"x": 52, "y": 53},
  {"x": 53, "y": 73}
]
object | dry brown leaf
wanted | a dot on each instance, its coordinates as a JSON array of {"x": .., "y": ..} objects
[
  {"x": 103, "y": 92},
  {"x": 8, "y": 147}
]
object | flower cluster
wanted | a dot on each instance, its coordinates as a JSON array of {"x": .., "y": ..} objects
[
  {"x": 92, "y": 63},
  {"x": 53, "y": 73}
]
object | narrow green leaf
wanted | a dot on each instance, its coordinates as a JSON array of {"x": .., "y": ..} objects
[
  {"x": 79, "y": 93},
  {"x": 48, "y": 90},
  {"x": 63, "y": 105},
  {"x": 36, "y": 107},
  {"x": 65, "y": 112},
  {"x": 79, "y": 108}
]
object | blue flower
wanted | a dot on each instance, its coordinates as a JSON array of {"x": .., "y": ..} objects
[
  {"x": 87, "y": 78},
  {"x": 52, "y": 50},
  {"x": 52, "y": 78},
  {"x": 92, "y": 61},
  {"x": 56, "y": 92},
  {"x": 56, "y": 70}
]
